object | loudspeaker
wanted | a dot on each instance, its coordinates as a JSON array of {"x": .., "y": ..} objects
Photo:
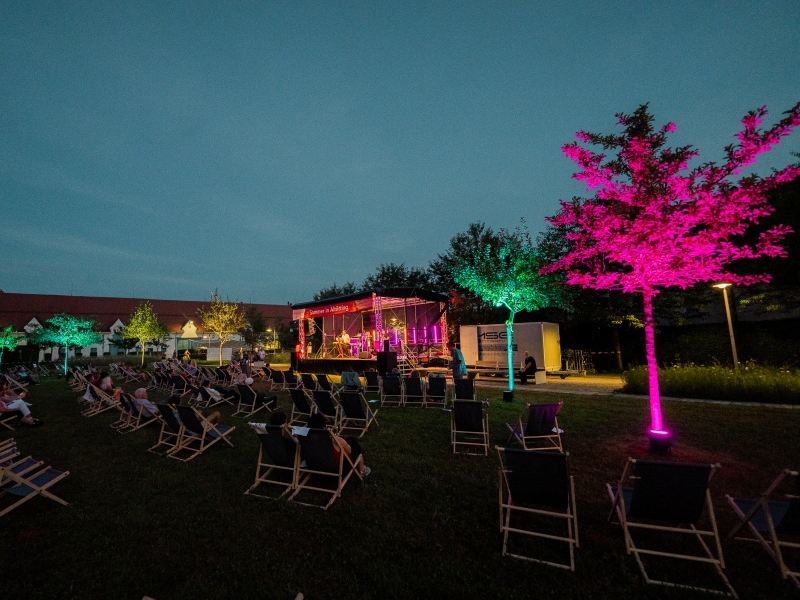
[{"x": 387, "y": 362}]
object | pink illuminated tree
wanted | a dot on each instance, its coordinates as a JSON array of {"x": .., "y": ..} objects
[{"x": 654, "y": 223}]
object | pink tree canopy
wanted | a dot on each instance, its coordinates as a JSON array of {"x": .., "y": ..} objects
[{"x": 654, "y": 223}]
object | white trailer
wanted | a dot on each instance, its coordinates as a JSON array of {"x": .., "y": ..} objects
[{"x": 486, "y": 345}]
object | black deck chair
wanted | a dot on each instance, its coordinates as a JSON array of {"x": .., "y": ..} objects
[
  {"x": 373, "y": 382},
  {"x": 222, "y": 375},
  {"x": 206, "y": 400},
  {"x": 249, "y": 402},
  {"x": 138, "y": 420},
  {"x": 436, "y": 391},
  {"x": 316, "y": 452},
  {"x": 291, "y": 381},
  {"x": 323, "y": 383},
  {"x": 771, "y": 521},
  {"x": 277, "y": 381},
  {"x": 540, "y": 432},
  {"x": 301, "y": 409},
  {"x": 537, "y": 483},
  {"x": 463, "y": 389},
  {"x": 413, "y": 391},
  {"x": 469, "y": 425},
  {"x": 198, "y": 436},
  {"x": 283, "y": 456},
  {"x": 171, "y": 431},
  {"x": 356, "y": 415},
  {"x": 309, "y": 383},
  {"x": 668, "y": 497},
  {"x": 326, "y": 405},
  {"x": 391, "y": 391}
]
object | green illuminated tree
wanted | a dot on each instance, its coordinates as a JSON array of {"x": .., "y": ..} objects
[
  {"x": 68, "y": 331},
  {"x": 223, "y": 318},
  {"x": 144, "y": 326},
  {"x": 507, "y": 274},
  {"x": 8, "y": 341}
]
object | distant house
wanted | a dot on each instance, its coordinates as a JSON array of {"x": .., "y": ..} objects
[{"x": 27, "y": 311}]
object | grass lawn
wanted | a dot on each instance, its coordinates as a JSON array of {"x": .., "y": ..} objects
[{"x": 424, "y": 524}]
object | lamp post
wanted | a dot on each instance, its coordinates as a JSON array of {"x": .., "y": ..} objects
[{"x": 723, "y": 286}]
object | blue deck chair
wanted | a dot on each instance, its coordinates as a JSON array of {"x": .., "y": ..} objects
[
  {"x": 469, "y": 425},
  {"x": 668, "y": 497},
  {"x": 413, "y": 391},
  {"x": 198, "y": 434},
  {"x": 538, "y": 483},
  {"x": 325, "y": 404},
  {"x": 771, "y": 520},
  {"x": 541, "y": 431},
  {"x": 23, "y": 480},
  {"x": 284, "y": 458},
  {"x": 355, "y": 413},
  {"x": 301, "y": 409},
  {"x": 436, "y": 391},
  {"x": 391, "y": 391}
]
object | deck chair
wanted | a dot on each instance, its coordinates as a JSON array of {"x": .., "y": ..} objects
[
  {"x": 668, "y": 497},
  {"x": 198, "y": 434},
  {"x": 436, "y": 391},
  {"x": 391, "y": 391},
  {"x": 309, "y": 383},
  {"x": 316, "y": 452},
  {"x": 16, "y": 385},
  {"x": 464, "y": 389},
  {"x": 171, "y": 431},
  {"x": 137, "y": 420},
  {"x": 301, "y": 409},
  {"x": 10, "y": 419},
  {"x": 275, "y": 446},
  {"x": 277, "y": 381},
  {"x": 102, "y": 402},
  {"x": 537, "y": 483},
  {"x": 22, "y": 479},
  {"x": 126, "y": 415},
  {"x": 249, "y": 402},
  {"x": 350, "y": 381},
  {"x": 355, "y": 414},
  {"x": 469, "y": 425},
  {"x": 8, "y": 452},
  {"x": 206, "y": 400},
  {"x": 292, "y": 382},
  {"x": 325, "y": 404},
  {"x": 541, "y": 431},
  {"x": 323, "y": 383},
  {"x": 413, "y": 391},
  {"x": 771, "y": 520},
  {"x": 373, "y": 382}
]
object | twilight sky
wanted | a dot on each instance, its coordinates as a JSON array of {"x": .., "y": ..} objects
[{"x": 269, "y": 149}]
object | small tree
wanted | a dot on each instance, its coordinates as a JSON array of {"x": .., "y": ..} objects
[
  {"x": 254, "y": 331},
  {"x": 68, "y": 331},
  {"x": 507, "y": 275},
  {"x": 654, "y": 224},
  {"x": 223, "y": 318},
  {"x": 144, "y": 326},
  {"x": 8, "y": 341}
]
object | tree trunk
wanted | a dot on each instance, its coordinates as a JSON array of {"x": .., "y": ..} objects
[
  {"x": 652, "y": 366},
  {"x": 142, "y": 353},
  {"x": 220, "y": 351},
  {"x": 617, "y": 347},
  {"x": 509, "y": 340},
  {"x": 66, "y": 359}
]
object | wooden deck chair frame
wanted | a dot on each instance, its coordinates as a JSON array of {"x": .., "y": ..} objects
[
  {"x": 395, "y": 397},
  {"x": 29, "y": 483},
  {"x": 138, "y": 420},
  {"x": 508, "y": 506},
  {"x": 7, "y": 418},
  {"x": 248, "y": 409},
  {"x": 623, "y": 518},
  {"x": 304, "y": 483},
  {"x": 274, "y": 434},
  {"x": 16, "y": 385},
  {"x": 325, "y": 403},
  {"x": 102, "y": 402},
  {"x": 356, "y": 415},
  {"x": 171, "y": 431},
  {"x": 436, "y": 399},
  {"x": 8, "y": 452},
  {"x": 461, "y": 436},
  {"x": 413, "y": 391},
  {"x": 300, "y": 401},
  {"x": 205, "y": 434},
  {"x": 548, "y": 441},
  {"x": 765, "y": 531}
]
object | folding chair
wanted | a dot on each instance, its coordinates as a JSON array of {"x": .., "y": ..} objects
[
  {"x": 413, "y": 391},
  {"x": 541, "y": 431},
  {"x": 206, "y": 400},
  {"x": 171, "y": 431},
  {"x": 355, "y": 413},
  {"x": 8, "y": 419},
  {"x": 350, "y": 381},
  {"x": 198, "y": 434},
  {"x": 291, "y": 381},
  {"x": 309, "y": 383},
  {"x": 316, "y": 451},
  {"x": 277, "y": 381},
  {"x": 537, "y": 483},
  {"x": 671, "y": 495},
  {"x": 137, "y": 420},
  {"x": 127, "y": 412},
  {"x": 102, "y": 402},
  {"x": 8, "y": 452},
  {"x": 301, "y": 409},
  {"x": 373, "y": 382},
  {"x": 469, "y": 425},
  {"x": 773, "y": 519},
  {"x": 436, "y": 392},
  {"x": 19, "y": 479},
  {"x": 276, "y": 446},
  {"x": 391, "y": 391},
  {"x": 325, "y": 404},
  {"x": 249, "y": 402},
  {"x": 16, "y": 385},
  {"x": 464, "y": 389}
]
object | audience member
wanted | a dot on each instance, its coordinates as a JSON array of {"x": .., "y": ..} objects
[
  {"x": 351, "y": 446},
  {"x": 13, "y": 403}
]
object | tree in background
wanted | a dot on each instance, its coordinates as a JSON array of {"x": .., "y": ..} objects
[
  {"x": 391, "y": 275},
  {"x": 8, "y": 341},
  {"x": 508, "y": 275},
  {"x": 68, "y": 331},
  {"x": 335, "y": 291},
  {"x": 144, "y": 326},
  {"x": 255, "y": 329},
  {"x": 654, "y": 224},
  {"x": 223, "y": 318}
]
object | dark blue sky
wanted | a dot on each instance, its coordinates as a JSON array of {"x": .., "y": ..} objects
[{"x": 165, "y": 149}]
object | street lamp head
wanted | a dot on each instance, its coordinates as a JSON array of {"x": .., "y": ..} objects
[{"x": 721, "y": 285}]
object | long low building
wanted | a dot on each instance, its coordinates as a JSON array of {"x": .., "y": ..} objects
[{"x": 27, "y": 311}]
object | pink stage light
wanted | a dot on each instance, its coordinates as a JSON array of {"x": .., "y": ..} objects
[{"x": 435, "y": 336}]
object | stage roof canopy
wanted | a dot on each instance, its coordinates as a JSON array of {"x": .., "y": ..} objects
[{"x": 394, "y": 292}]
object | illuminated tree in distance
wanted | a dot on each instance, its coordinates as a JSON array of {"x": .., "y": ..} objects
[
  {"x": 68, "y": 331},
  {"x": 223, "y": 318},
  {"x": 7, "y": 341},
  {"x": 144, "y": 326},
  {"x": 654, "y": 223},
  {"x": 507, "y": 274}
]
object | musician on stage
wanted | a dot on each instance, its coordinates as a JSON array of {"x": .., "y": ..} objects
[{"x": 345, "y": 340}]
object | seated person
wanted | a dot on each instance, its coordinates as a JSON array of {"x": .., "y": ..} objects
[
  {"x": 211, "y": 419},
  {"x": 351, "y": 446},
  {"x": 528, "y": 369},
  {"x": 278, "y": 417},
  {"x": 107, "y": 385},
  {"x": 149, "y": 410},
  {"x": 271, "y": 401},
  {"x": 12, "y": 403},
  {"x": 218, "y": 394}
]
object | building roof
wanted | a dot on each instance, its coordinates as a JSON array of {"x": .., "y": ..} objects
[
  {"x": 395, "y": 292},
  {"x": 19, "y": 309}
]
